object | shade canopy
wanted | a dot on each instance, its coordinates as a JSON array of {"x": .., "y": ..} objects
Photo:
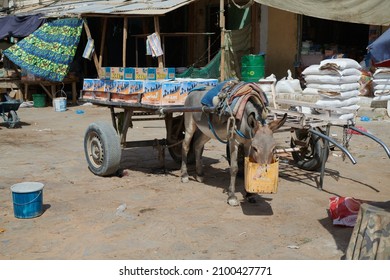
[{"x": 375, "y": 12}]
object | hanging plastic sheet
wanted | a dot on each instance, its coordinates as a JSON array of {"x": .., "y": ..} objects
[
  {"x": 89, "y": 49},
  {"x": 379, "y": 50},
  {"x": 154, "y": 45},
  {"x": 48, "y": 52}
]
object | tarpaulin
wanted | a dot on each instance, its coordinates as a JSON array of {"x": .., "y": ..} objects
[
  {"x": 375, "y": 12},
  {"x": 19, "y": 26},
  {"x": 380, "y": 48},
  {"x": 48, "y": 52}
]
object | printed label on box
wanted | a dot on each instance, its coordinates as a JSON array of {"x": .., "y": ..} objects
[
  {"x": 117, "y": 73},
  {"x": 88, "y": 84},
  {"x": 99, "y": 85},
  {"x": 106, "y": 71},
  {"x": 129, "y": 98},
  {"x": 109, "y": 86},
  {"x": 136, "y": 86},
  {"x": 152, "y": 92},
  {"x": 170, "y": 93},
  {"x": 141, "y": 73},
  {"x": 122, "y": 86},
  {"x": 151, "y": 73},
  {"x": 129, "y": 73},
  {"x": 171, "y": 73},
  {"x": 186, "y": 87},
  {"x": 207, "y": 82},
  {"x": 165, "y": 73}
]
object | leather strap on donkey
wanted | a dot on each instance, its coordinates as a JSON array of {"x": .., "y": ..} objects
[{"x": 230, "y": 98}]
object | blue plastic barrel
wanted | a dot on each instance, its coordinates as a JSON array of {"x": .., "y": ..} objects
[{"x": 27, "y": 199}]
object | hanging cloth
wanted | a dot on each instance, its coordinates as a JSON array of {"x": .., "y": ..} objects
[
  {"x": 19, "y": 26},
  {"x": 48, "y": 52}
]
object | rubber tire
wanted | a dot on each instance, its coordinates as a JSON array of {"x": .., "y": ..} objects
[
  {"x": 240, "y": 159},
  {"x": 176, "y": 151},
  {"x": 313, "y": 158},
  {"x": 12, "y": 119},
  {"x": 102, "y": 149}
]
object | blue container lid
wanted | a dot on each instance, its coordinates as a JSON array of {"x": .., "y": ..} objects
[{"x": 27, "y": 187}]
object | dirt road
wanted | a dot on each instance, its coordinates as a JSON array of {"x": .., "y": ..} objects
[{"x": 158, "y": 216}]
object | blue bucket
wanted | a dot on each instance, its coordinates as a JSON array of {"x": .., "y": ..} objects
[{"x": 27, "y": 198}]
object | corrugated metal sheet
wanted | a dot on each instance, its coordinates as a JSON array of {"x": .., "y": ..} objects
[{"x": 116, "y": 7}]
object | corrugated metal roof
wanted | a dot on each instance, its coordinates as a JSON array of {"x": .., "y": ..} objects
[{"x": 116, "y": 7}]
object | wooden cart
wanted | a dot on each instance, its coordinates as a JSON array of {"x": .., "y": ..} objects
[{"x": 310, "y": 140}]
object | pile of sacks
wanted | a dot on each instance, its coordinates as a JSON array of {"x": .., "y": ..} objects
[
  {"x": 336, "y": 81},
  {"x": 288, "y": 84},
  {"x": 381, "y": 84},
  {"x": 272, "y": 87},
  {"x": 266, "y": 84}
]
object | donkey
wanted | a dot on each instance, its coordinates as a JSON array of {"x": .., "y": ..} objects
[{"x": 250, "y": 130}]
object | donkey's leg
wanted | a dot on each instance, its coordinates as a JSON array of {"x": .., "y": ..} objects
[
  {"x": 232, "y": 199},
  {"x": 190, "y": 128},
  {"x": 200, "y": 140}
]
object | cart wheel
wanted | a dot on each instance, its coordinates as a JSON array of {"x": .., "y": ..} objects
[
  {"x": 13, "y": 119},
  {"x": 310, "y": 156},
  {"x": 240, "y": 159},
  {"x": 176, "y": 136},
  {"x": 102, "y": 149}
]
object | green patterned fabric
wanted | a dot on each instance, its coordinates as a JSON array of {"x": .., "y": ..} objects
[{"x": 48, "y": 52}]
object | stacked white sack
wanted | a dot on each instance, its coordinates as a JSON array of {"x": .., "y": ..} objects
[
  {"x": 336, "y": 81},
  {"x": 288, "y": 85},
  {"x": 381, "y": 83},
  {"x": 268, "y": 85}
]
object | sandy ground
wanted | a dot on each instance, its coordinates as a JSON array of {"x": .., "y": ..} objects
[{"x": 163, "y": 218}]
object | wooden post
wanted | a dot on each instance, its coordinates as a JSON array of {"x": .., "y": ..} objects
[
  {"x": 157, "y": 31},
  {"x": 370, "y": 238},
  {"x": 102, "y": 42},
  {"x": 95, "y": 59},
  {"x": 208, "y": 49},
  {"x": 125, "y": 25},
  {"x": 222, "y": 26}
]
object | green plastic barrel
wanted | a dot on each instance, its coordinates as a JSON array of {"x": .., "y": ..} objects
[
  {"x": 252, "y": 67},
  {"x": 39, "y": 100}
]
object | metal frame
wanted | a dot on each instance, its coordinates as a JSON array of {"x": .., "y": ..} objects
[{"x": 299, "y": 120}]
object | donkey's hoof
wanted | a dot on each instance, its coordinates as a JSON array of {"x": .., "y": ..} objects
[
  {"x": 233, "y": 201},
  {"x": 185, "y": 179},
  {"x": 200, "y": 179},
  {"x": 251, "y": 198}
]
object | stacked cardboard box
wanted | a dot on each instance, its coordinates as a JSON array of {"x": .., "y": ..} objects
[
  {"x": 148, "y": 85},
  {"x": 137, "y": 73}
]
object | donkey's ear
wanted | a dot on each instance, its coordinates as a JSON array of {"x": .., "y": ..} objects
[
  {"x": 252, "y": 121},
  {"x": 276, "y": 124}
]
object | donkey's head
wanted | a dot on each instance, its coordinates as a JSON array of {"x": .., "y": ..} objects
[{"x": 263, "y": 143}]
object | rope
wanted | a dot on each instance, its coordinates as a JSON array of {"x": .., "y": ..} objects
[
  {"x": 346, "y": 137},
  {"x": 213, "y": 131}
]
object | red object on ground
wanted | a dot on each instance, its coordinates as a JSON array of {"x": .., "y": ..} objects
[{"x": 344, "y": 210}]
